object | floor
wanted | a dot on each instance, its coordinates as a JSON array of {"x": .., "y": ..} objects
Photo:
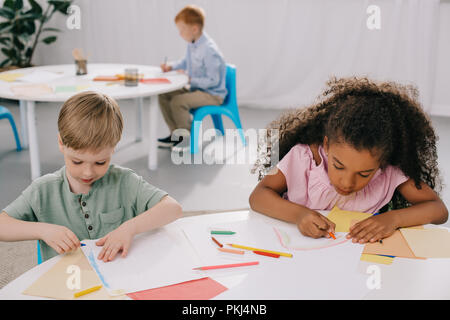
[{"x": 200, "y": 188}]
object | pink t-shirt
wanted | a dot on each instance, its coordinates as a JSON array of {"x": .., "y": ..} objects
[{"x": 308, "y": 184}]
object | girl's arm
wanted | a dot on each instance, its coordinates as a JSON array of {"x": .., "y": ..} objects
[
  {"x": 266, "y": 198},
  {"x": 426, "y": 207}
]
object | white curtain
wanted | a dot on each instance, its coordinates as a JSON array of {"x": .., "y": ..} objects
[{"x": 284, "y": 50}]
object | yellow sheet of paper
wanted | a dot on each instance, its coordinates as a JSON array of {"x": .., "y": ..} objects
[
  {"x": 428, "y": 243},
  {"x": 32, "y": 89},
  {"x": 343, "y": 219},
  {"x": 53, "y": 283},
  {"x": 10, "y": 77},
  {"x": 376, "y": 258}
]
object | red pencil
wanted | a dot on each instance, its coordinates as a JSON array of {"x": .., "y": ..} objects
[
  {"x": 218, "y": 243},
  {"x": 228, "y": 265},
  {"x": 273, "y": 255}
]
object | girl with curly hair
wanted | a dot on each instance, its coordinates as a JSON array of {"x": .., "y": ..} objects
[{"x": 364, "y": 146}]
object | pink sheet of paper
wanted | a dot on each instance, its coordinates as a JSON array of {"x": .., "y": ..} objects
[{"x": 199, "y": 289}]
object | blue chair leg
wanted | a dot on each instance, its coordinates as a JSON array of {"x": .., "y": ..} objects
[
  {"x": 39, "y": 255},
  {"x": 16, "y": 135},
  {"x": 218, "y": 123},
  {"x": 237, "y": 123},
  {"x": 195, "y": 131}
]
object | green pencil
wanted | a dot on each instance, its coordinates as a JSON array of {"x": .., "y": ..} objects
[{"x": 222, "y": 232}]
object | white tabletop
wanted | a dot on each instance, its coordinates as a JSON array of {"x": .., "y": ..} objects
[
  {"x": 69, "y": 78},
  {"x": 403, "y": 279}
]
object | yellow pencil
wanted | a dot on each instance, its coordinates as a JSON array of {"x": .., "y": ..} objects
[
  {"x": 263, "y": 250},
  {"x": 82, "y": 293}
]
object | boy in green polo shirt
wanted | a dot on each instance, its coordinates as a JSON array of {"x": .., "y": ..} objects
[{"x": 87, "y": 198}]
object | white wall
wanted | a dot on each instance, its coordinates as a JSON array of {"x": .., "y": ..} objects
[{"x": 285, "y": 50}]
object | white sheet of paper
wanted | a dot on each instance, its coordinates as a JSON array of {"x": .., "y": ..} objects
[
  {"x": 155, "y": 259},
  {"x": 41, "y": 76},
  {"x": 322, "y": 273}
]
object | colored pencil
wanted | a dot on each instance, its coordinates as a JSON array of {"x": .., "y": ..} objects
[
  {"x": 244, "y": 264},
  {"x": 82, "y": 293},
  {"x": 263, "y": 250},
  {"x": 273, "y": 255},
  {"x": 217, "y": 242},
  {"x": 332, "y": 235},
  {"x": 222, "y": 232},
  {"x": 231, "y": 250}
]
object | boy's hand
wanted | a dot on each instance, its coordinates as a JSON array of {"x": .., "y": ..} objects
[
  {"x": 60, "y": 238},
  {"x": 373, "y": 229},
  {"x": 313, "y": 224},
  {"x": 115, "y": 241},
  {"x": 165, "y": 67}
]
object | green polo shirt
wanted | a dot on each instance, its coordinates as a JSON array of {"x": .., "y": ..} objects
[{"x": 118, "y": 196}]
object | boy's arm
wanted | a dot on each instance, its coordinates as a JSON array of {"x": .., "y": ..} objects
[
  {"x": 212, "y": 78},
  {"x": 164, "y": 212},
  {"x": 12, "y": 229},
  {"x": 180, "y": 64}
]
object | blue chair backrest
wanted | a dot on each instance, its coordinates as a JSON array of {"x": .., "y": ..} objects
[{"x": 230, "y": 83}]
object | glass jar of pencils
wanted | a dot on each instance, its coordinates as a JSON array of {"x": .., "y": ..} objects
[
  {"x": 131, "y": 77},
  {"x": 81, "y": 67}
]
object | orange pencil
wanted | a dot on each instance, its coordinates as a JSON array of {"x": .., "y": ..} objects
[
  {"x": 332, "y": 235},
  {"x": 217, "y": 242}
]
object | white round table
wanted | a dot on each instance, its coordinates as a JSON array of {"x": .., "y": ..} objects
[
  {"x": 62, "y": 78},
  {"x": 403, "y": 279}
]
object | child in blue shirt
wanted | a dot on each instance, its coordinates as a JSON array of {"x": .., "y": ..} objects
[{"x": 206, "y": 68}]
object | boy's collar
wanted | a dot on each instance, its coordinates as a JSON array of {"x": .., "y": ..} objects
[{"x": 199, "y": 40}]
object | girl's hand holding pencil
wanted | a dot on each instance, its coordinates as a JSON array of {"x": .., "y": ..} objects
[{"x": 313, "y": 224}]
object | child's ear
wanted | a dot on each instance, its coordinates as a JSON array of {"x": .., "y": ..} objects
[
  {"x": 60, "y": 144},
  {"x": 325, "y": 144}
]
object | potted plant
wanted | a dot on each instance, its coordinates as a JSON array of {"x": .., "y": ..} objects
[{"x": 22, "y": 28}]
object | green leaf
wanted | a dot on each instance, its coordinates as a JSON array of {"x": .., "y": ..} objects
[
  {"x": 28, "y": 52},
  {"x": 7, "y": 52},
  {"x": 18, "y": 44},
  {"x": 9, "y": 4},
  {"x": 49, "y": 40},
  {"x": 5, "y": 27},
  {"x": 4, "y": 62},
  {"x": 61, "y": 5},
  {"x": 7, "y": 13},
  {"x": 5, "y": 41},
  {"x": 51, "y": 29},
  {"x": 35, "y": 7},
  {"x": 29, "y": 16},
  {"x": 19, "y": 5}
]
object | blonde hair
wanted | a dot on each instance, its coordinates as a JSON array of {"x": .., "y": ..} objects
[
  {"x": 90, "y": 121},
  {"x": 191, "y": 14}
]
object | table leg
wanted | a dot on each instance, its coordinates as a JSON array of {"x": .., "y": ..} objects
[
  {"x": 153, "y": 150},
  {"x": 139, "y": 103},
  {"x": 23, "y": 123},
  {"x": 33, "y": 140}
]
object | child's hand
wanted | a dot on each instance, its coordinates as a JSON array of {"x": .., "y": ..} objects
[
  {"x": 372, "y": 229},
  {"x": 165, "y": 67},
  {"x": 313, "y": 224},
  {"x": 113, "y": 242},
  {"x": 60, "y": 238}
]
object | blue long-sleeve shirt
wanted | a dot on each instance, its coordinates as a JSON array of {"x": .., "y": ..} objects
[{"x": 205, "y": 66}]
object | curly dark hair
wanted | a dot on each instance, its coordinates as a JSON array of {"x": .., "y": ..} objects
[{"x": 386, "y": 116}]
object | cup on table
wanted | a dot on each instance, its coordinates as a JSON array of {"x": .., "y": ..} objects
[
  {"x": 131, "y": 77},
  {"x": 81, "y": 67}
]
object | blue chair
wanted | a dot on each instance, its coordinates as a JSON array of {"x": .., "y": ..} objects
[
  {"x": 229, "y": 108},
  {"x": 39, "y": 255},
  {"x": 5, "y": 113}
]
